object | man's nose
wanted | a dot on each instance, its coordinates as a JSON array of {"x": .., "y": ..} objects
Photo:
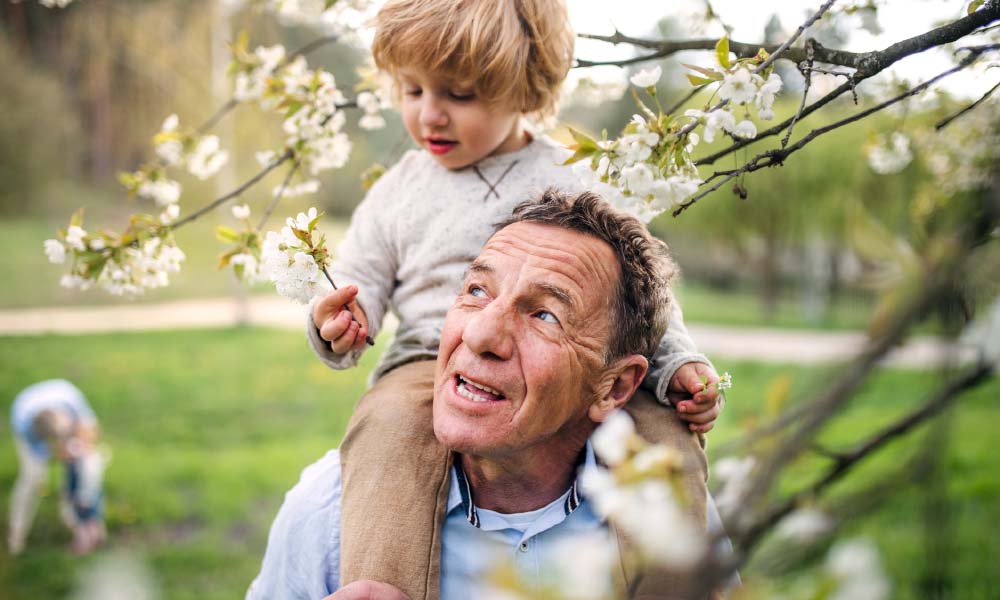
[
  {"x": 432, "y": 112},
  {"x": 488, "y": 332}
]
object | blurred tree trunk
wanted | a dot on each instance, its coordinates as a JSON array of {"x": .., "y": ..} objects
[
  {"x": 769, "y": 275},
  {"x": 17, "y": 25},
  {"x": 98, "y": 83}
]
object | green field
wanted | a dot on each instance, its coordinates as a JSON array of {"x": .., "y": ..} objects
[{"x": 210, "y": 428}]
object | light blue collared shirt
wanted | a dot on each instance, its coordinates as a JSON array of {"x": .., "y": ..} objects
[{"x": 303, "y": 549}]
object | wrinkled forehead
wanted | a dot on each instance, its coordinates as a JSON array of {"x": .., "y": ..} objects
[{"x": 548, "y": 252}]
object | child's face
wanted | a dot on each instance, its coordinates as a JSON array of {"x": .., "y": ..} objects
[{"x": 453, "y": 124}]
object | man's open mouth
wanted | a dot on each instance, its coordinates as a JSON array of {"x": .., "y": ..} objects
[{"x": 476, "y": 392}]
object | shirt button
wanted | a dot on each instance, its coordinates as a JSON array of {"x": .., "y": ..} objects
[{"x": 523, "y": 547}]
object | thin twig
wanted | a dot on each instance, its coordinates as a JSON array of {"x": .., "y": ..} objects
[
  {"x": 872, "y": 63},
  {"x": 777, "y": 156},
  {"x": 944, "y": 122},
  {"x": 807, "y": 73},
  {"x": 806, "y": 25},
  {"x": 687, "y": 98},
  {"x": 843, "y": 462},
  {"x": 233, "y": 194},
  {"x": 368, "y": 338},
  {"x": 278, "y": 194}
]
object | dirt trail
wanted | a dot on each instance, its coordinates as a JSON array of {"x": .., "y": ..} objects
[{"x": 733, "y": 343}]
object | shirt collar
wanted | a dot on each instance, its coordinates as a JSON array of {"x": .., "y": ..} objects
[{"x": 460, "y": 493}]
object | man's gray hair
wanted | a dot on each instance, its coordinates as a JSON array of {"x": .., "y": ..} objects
[{"x": 641, "y": 307}]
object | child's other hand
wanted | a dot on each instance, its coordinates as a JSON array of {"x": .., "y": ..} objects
[
  {"x": 335, "y": 323},
  {"x": 697, "y": 403}
]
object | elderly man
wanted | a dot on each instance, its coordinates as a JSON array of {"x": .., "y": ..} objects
[{"x": 548, "y": 336}]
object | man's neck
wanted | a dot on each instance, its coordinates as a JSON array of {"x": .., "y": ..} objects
[{"x": 525, "y": 481}]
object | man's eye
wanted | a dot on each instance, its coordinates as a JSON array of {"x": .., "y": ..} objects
[
  {"x": 547, "y": 316},
  {"x": 477, "y": 291}
]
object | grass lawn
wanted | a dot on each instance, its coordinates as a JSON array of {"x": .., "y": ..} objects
[{"x": 210, "y": 428}]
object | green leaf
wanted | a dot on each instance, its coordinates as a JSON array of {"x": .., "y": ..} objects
[
  {"x": 711, "y": 74},
  {"x": 312, "y": 224},
  {"x": 722, "y": 52},
  {"x": 225, "y": 257},
  {"x": 77, "y": 218},
  {"x": 226, "y": 234},
  {"x": 974, "y": 6},
  {"x": 580, "y": 154},
  {"x": 583, "y": 141},
  {"x": 302, "y": 235},
  {"x": 697, "y": 81},
  {"x": 371, "y": 175}
]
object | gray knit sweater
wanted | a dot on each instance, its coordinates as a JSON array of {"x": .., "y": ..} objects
[{"x": 412, "y": 237}]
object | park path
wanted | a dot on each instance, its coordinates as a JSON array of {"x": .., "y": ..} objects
[{"x": 733, "y": 343}]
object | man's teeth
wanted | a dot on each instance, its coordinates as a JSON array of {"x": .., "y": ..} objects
[{"x": 466, "y": 393}]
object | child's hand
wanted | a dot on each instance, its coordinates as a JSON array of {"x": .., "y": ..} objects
[
  {"x": 694, "y": 392},
  {"x": 335, "y": 323}
]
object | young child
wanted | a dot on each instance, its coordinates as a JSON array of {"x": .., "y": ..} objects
[
  {"x": 51, "y": 419},
  {"x": 469, "y": 72}
]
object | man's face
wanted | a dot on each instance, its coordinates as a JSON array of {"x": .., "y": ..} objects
[{"x": 521, "y": 356}]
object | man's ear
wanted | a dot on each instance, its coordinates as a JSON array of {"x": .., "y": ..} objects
[{"x": 617, "y": 386}]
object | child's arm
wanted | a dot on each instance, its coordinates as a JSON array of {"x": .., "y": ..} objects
[
  {"x": 675, "y": 375},
  {"x": 364, "y": 270},
  {"x": 340, "y": 320}
]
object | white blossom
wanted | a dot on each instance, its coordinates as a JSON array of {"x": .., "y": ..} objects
[
  {"x": 265, "y": 157},
  {"x": 241, "y": 211},
  {"x": 734, "y": 475},
  {"x": 162, "y": 191},
  {"x": 371, "y": 122},
  {"x": 765, "y": 96},
  {"x": 207, "y": 158},
  {"x": 97, "y": 244},
  {"x": 306, "y": 187},
  {"x": 54, "y": 3},
  {"x": 646, "y": 78},
  {"x": 74, "y": 237},
  {"x": 249, "y": 86},
  {"x": 983, "y": 334},
  {"x": 72, "y": 280},
  {"x": 55, "y": 251},
  {"x": 251, "y": 267},
  {"x": 170, "y": 214},
  {"x": 738, "y": 87},
  {"x": 745, "y": 129},
  {"x": 610, "y": 440},
  {"x": 171, "y": 123},
  {"x": 581, "y": 565},
  {"x": 328, "y": 153},
  {"x": 591, "y": 92},
  {"x": 804, "y": 525},
  {"x": 890, "y": 156},
  {"x": 855, "y": 565}
]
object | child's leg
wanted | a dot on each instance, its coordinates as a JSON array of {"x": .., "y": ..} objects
[
  {"x": 31, "y": 475},
  {"x": 660, "y": 425},
  {"x": 390, "y": 445}
]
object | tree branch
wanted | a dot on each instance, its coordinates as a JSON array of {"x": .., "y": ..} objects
[
  {"x": 777, "y": 156},
  {"x": 278, "y": 194},
  {"x": 872, "y": 63},
  {"x": 946, "y": 121},
  {"x": 784, "y": 47},
  {"x": 235, "y": 193},
  {"x": 843, "y": 463}
]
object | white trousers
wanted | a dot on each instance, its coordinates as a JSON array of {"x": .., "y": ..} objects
[{"x": 32, "y": 474}]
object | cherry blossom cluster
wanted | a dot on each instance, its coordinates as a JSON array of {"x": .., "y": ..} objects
[
  {"x": 309, "y": 102},
  {"x": 335, "y": 16},
  {"x": 244, "y": 255},
  {"x": 201, "y": 155},
  {"x": 295, "y": 258},
  {"x": 648, "y": 169},
  {"x": 139, "y": 259},
  {"x": 637, "y": 491}
]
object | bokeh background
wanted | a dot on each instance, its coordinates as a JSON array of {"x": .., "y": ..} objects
[{"x": 211, "y": 425}]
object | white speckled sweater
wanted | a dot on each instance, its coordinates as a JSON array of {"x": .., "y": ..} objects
[{"x": 419, "y": 227}]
